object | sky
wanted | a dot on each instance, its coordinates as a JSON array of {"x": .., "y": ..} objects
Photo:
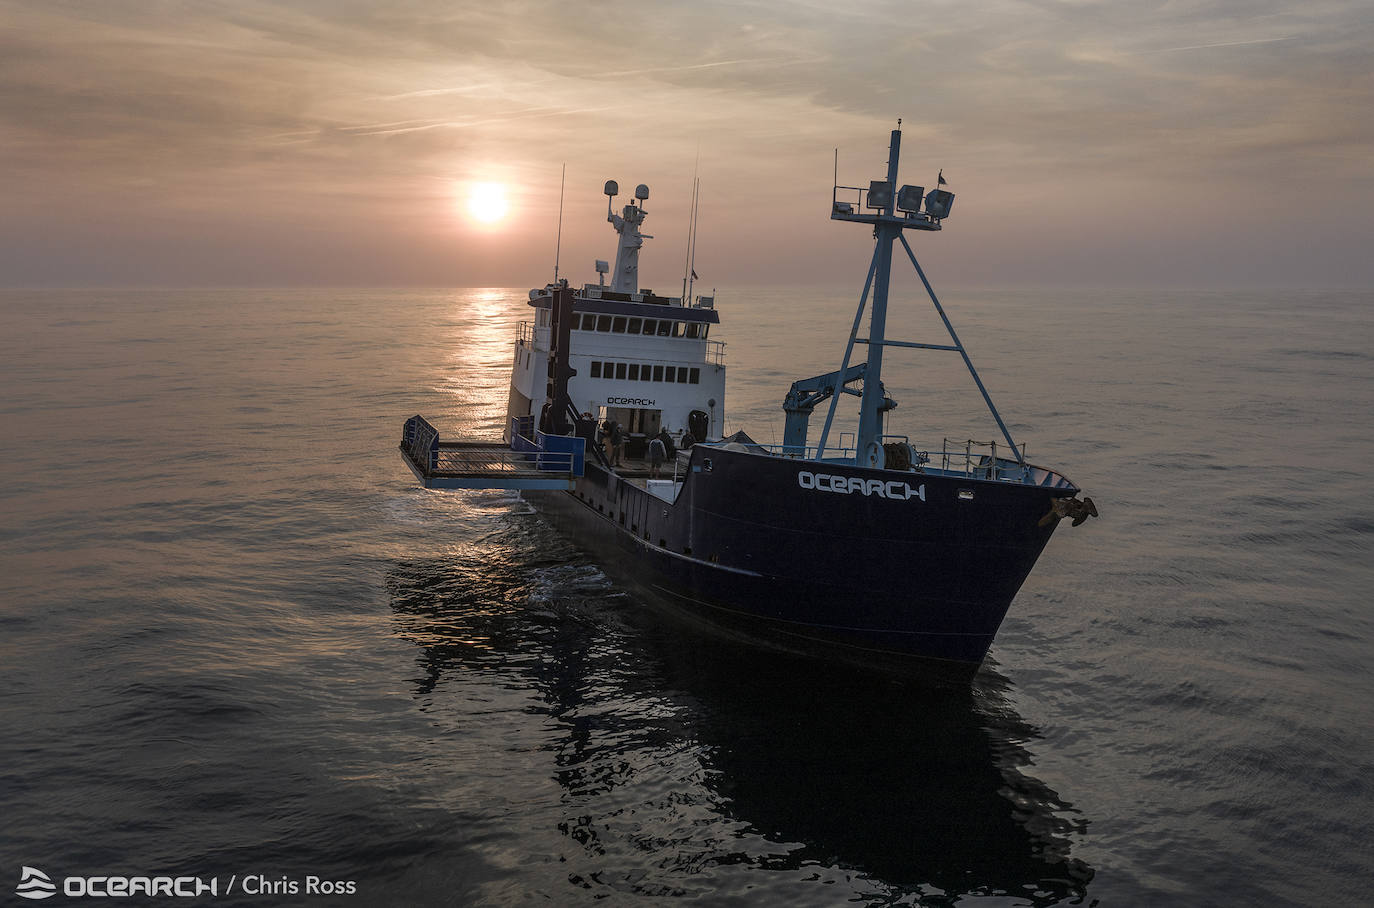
[{"x": 153, "y": 143}]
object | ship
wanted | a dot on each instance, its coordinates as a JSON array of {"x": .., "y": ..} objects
[{"x": 861, "y": 547}]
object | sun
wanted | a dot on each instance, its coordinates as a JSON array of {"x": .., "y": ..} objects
[{"x": 487, "y": 202}]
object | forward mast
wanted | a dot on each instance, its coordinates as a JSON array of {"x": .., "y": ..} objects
[{"x": 890, "y": 211}]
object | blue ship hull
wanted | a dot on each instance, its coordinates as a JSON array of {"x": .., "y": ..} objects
[{"x": 906, "y": 571}]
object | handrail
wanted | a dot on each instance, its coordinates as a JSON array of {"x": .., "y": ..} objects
[
  {"x": 809, "y": 452},
  {"x": 490, "y": 459},
  {"x": 531, "y": 335},
  {"x": 953, "y": 458},
  {"x": 978, "y": 465}
]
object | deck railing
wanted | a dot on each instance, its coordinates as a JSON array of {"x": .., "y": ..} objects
[
  {"x": 487, "y": 460},
  {"x": 964, "y": 457},
  {"x": 533, "y": 336},
  {"x": 547, "y": 452},
  {"x": 967, "y": 458},
  {"x": 809, "y": 452}
]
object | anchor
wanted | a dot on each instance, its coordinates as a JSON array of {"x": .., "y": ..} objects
[{"x": 1078, "y": 511}]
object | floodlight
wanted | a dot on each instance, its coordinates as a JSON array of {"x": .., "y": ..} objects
[
  {"x": 909, "y": 198},
  {"x": 939, "y": 202},
  {"x": 879, "y": 194}
]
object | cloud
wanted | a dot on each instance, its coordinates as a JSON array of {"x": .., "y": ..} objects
[
  {"x": 1171, "y": 50},
  {"x": 272, "y": 120}
]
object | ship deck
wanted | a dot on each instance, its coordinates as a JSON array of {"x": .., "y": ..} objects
[
  {"x": 636, "y": 469},
  {"x": 485, "y": 465}
]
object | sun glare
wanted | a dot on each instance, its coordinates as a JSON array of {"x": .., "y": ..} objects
[{"x": 487, "y": 202}]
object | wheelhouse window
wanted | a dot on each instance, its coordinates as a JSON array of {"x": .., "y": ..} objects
[
  {"x": 650, "y": 325},
  {"x": 693, "y": 330},
  {"x": 678, "y": 329},
  {"x": 665, "y": 328},
  {"x": 636, "y": 324},
  {"x": 618, "y": 325},
  {"x": 603, "y": 323}
]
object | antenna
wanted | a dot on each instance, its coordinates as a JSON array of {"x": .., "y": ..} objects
[
  {"x": 691, "y": 221},
  {"x": 835, "y": 183},
  {"x": 692, "y": 257},
  {"x": 691, "y": 232},
  {"x": 558, "y": 247}
]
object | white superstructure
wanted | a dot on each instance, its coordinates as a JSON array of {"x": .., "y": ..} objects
[{"x": 647, "y": 361}]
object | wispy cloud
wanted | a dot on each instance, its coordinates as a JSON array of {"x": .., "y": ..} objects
[
  {"x": 397, "y": 129},
  {"x": 262, "y": 123},
  {"x": 1170, "y": 50},
  {"x": 758, "y": 62},
  {"x": 469, "y": 89}
]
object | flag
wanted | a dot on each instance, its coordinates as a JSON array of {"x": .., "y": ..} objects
[
  {"x": 694, "y": 275},
  {"x": 941, "y": 178}
]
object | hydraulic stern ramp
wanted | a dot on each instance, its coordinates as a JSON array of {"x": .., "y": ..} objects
[{"x": 532, "y": 460}]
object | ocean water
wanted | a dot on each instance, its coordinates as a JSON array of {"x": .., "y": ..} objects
[{"x": 237, "y": 642}]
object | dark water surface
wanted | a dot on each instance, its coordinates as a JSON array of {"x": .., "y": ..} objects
[{"x": 236, "y": 640}]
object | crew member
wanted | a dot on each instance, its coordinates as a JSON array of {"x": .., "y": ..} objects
[
  {"x": 657, "y": 452},
  {"x": 618, "y": 441},
  {"x": 607, "y": 439},
  {"x": 669, "y": 449}
]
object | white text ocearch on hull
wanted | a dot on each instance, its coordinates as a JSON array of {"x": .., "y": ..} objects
[{"x": 894, "y": 489}]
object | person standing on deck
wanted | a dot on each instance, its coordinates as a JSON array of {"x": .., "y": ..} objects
[
  {"x": 607, "y": 438},
  {"x": 657, "y": 453},
  {"x": 669, "y": 449},
  {"x": 618, "y": 440}
]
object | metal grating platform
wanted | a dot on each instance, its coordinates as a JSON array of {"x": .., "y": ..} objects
[{"x": 489, "y": 464}]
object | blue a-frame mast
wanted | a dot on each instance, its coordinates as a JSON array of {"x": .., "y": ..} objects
[{"x": 896, "y": 211}]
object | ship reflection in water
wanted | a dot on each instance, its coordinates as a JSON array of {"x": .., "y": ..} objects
[{"x": 688, "y": 766}]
